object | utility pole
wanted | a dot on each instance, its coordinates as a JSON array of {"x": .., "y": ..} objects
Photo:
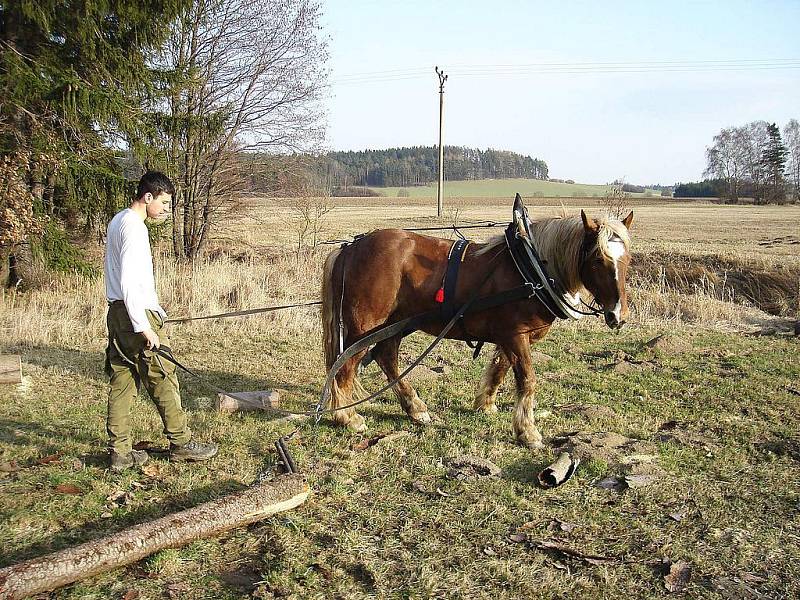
[{"x": 442, "y": 79}]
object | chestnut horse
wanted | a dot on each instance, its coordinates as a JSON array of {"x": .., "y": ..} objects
[{"x": 391, "y": 274}]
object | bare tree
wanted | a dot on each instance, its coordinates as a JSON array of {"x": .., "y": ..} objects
[
  {"x": 615, "y": 200},
  {"x": 308, "y": 217},
  {"x": 791, "y": 138},
  {"x": 726, "y": 160},
  {"x": 754, "y": 139},
  {"x": 242, "y": 80}
]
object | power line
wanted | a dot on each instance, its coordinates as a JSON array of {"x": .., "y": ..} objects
[{"x": 577, "y": 68}]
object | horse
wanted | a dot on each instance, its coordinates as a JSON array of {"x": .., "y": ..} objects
[{"x": 391, "y": 274}]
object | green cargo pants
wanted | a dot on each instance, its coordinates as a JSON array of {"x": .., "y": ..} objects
[{"x": 157, "y": 374}]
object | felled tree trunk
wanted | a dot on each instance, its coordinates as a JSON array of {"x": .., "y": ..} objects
[{"x": 66, "y": 566}]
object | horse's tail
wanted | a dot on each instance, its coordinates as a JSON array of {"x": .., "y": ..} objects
[
  {"x": 330, "y": 314},
  {"x": 332, "y": 272}
]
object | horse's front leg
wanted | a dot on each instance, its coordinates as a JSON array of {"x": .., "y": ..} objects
[
  {"x": 492, "y": 377},
  {"x": 518, "y": 351},
  {"x": 386, "y": 354}
]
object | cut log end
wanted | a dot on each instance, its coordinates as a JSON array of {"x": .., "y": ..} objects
[{"x": 10, "y": 368}]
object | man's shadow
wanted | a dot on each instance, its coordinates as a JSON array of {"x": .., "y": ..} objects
[{"x": 91, "y": 364}]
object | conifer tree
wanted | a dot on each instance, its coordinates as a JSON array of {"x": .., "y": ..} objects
[
  {"x": 774, "y": 161},
  {"x": 72, "y": 75}
]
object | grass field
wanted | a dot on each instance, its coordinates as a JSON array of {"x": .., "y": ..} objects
[
  {"x": 489, "y": 188},
  {"x": 713, "y": 412}
]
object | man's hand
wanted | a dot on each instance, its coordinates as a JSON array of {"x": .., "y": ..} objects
[{"x": 152, "y": 339}]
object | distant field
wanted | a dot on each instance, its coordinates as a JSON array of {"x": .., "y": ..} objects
[{"x": 488, "y": 188}]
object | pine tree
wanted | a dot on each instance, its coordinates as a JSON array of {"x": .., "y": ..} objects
[
  {"x": 72, "y": 76},
  {"x": 773, "y": 159}
]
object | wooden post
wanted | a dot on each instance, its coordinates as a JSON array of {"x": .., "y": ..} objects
[
  {"x": 439, "y": 190},
  {"x": 129, "y": 545},
  {"x": 10, "y": 368}
]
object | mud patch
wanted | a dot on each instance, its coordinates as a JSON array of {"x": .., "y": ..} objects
[
  {"x": 619, "y": 452},
  {"x": 590, "y": 411},
  {"x": 784, "y": 447},
  {"x": 668, "y": 344},
  {"x": 468, "y": 467},
  {"x": 674, "y": 432}
]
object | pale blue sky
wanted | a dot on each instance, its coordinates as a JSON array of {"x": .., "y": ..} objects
[{"x": 648, "y": 127}]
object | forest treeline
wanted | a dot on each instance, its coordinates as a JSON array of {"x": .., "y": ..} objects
[{"x": 418, "y": 166}]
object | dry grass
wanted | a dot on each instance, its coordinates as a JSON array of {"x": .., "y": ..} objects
[{"x": 697, "y": 263}]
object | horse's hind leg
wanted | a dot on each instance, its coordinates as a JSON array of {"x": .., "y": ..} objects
[
  {"x": 385, "y": 354},
  {"x": 492, "y": 377},
  {"x": 344, "y": 388},
  {"x": 518, "y": 351}
]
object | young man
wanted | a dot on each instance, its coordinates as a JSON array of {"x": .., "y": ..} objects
[{"x": 135, "y": 328}]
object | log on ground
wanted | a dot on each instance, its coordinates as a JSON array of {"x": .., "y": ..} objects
[
  {"x": 247, "y": 401},
  {"x": 130, "y": 545}
]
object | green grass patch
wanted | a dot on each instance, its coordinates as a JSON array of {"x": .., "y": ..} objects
[
  {"x": 494, "y": 188},
  {"x": 387, "y": 521}
]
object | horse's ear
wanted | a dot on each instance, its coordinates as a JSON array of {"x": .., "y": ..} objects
[
  {"x": 628, "y": 221},
  {"x": 588, "y": 224},
  {"x": 518, "y": 205}
]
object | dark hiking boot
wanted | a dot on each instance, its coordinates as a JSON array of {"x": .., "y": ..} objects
[
  {"x": 134, "y": 458},
  {"x": 193, "y": 451}
]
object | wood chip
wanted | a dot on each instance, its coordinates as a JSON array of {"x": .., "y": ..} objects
[
  {"x": 680, "y": 514},
  {"x": 382, "y": 438},
  {"x": 9, "y": 467},
  {"x": 68, "y": 488},
  {"x": 559, "y": 525},
  {"x": 678, "y": 577},
  {"x": 567, "y": 552},
  {"x": 615, "y": 484},
  {"x": 51, "y": 458},
  {"x": 640, "y": 481}
]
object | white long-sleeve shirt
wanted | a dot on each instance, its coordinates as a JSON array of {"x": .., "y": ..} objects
[{"x": 129, "y": 268}]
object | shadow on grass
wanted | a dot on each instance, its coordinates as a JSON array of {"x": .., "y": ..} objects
[
  {"x": 98, "y": 528},
  {"x": 23, "y": 433},
  {"x": 90, "y": 364}
]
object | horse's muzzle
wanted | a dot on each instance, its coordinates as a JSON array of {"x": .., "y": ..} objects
[{"x": 612, "y": 321}]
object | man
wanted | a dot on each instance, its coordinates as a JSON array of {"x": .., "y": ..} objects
[{"x": 135, "y": 329}]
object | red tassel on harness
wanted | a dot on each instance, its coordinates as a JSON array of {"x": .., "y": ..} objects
[{"x": 440, "y": 295}]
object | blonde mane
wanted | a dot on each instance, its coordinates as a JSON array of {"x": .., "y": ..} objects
[{"x": 558, "y": 241}]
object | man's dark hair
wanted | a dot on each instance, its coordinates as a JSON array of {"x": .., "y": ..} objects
[{"x": 156, "y": 183}]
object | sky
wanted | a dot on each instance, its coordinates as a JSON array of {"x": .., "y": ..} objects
[{"x": 543, "y": 79}]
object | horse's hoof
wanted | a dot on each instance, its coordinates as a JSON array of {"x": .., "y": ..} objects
[
  {"x": 423, "y": 418},
  {"x": 489, "y": 409},
  {"x": 357, "y": 423},
  {"x": 532, "y": 440}
]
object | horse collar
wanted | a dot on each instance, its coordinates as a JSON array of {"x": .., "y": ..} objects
[{"x": 532, "y": 268}]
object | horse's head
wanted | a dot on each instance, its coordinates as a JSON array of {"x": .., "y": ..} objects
[{"x": 606, "y": 256}]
